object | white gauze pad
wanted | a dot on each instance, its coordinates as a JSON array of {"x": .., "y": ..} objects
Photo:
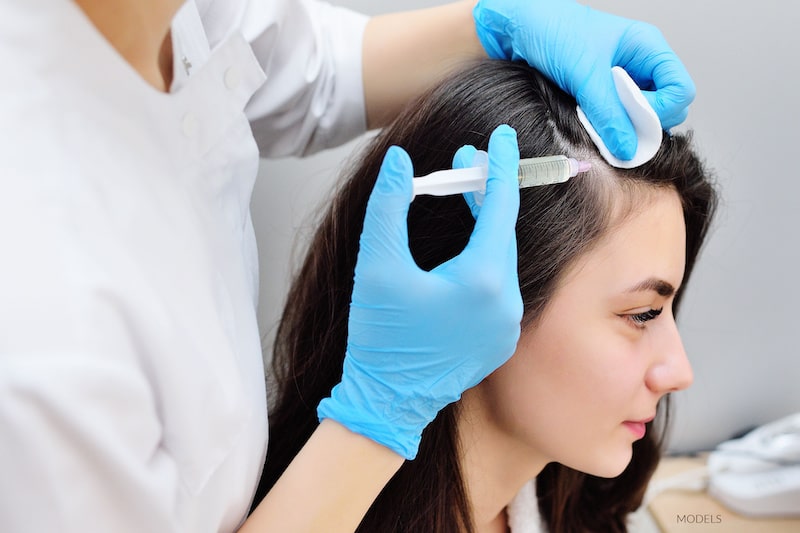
[{"x": 644, "y": 119}]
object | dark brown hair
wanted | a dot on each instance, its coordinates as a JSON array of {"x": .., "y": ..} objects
[{"x": 556, "y": 225}]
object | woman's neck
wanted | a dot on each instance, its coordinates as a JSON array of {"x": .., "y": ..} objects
[
  {"x": 493, "y": 466},
  {"x": 139, "y": 31}
]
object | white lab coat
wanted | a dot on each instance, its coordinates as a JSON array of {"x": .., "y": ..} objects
[
  {"x": 131, "y": 378},
  {"x": 523, "y": 511},
  {"x": 523, "y": 514}
]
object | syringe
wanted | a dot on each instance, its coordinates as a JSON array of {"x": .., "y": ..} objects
[{"x": 533, "y": 172}]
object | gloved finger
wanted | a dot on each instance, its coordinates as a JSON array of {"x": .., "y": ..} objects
[
  {"x": 669, "y": 119},
  {"x": 600, "y": 103},
  {"x": 475, "y": 198},
  {"x": 464, "y": 156},
  {"x": 467, "y": 156},
  {"x": 494, "y": 228},
  {"x": 506, "y": 319},
  {"x": 675, "y": 91},
  {"x": 385, "y": 233},
  {"x": 514, "y": 306},
  {"x": 669, "y": 87}
]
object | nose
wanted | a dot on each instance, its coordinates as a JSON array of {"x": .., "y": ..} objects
[{"x": 670, "y": 370}]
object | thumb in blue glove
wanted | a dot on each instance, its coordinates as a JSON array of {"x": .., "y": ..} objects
[
  {"x": 576, "y": 46},
  {"x": 467, "y": 156},
  {"x": 417, "y": 339}
]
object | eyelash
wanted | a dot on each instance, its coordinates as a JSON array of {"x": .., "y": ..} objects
[{"x": 639, "y": 319}]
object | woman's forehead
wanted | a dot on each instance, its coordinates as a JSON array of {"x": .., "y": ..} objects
[{"x": 646, "y": 231}]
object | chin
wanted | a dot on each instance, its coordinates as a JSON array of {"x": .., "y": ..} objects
[{"x": 610, "y": 464}]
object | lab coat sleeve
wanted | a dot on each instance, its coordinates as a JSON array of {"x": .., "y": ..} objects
[
  {"x": 313, "y": 97},
  {"x": 79, "y": 447}
]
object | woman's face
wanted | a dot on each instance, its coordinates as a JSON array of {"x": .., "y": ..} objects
[{"x": 586, "y": 377}]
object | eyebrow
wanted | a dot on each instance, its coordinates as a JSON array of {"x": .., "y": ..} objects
[{"x": 660, "y": 286}]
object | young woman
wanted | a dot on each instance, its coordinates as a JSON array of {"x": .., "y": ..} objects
[{"x": 603, "y": 260}]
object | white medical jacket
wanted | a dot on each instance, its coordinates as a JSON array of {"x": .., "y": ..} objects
[{"x": 131, "y": 377}]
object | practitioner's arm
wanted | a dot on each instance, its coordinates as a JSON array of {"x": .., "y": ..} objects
[
  {"x": 405, "y": 53},
  {"x": 329, "y": 486}
]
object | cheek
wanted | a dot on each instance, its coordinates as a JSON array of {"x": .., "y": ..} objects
[
  {"x": 545, "y": 382},
  {"x": 587, "y": 376},
  {"x": 570, "y": 363}
]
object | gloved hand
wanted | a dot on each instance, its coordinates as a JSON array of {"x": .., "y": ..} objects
[
  {"x": 576, "y": 46},
  {"x": 417, "y": 339}
]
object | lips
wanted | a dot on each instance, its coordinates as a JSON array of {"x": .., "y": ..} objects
[{"x": 637, "y": 427}]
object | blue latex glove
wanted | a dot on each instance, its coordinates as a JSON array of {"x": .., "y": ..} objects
[
  {"x": 416, "y": 339},
  {"x": 576, "y": 46},
  {"x": 468, "y": 156}
]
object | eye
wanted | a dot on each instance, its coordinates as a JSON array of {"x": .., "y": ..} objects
[{"x": 639, "y": 319}]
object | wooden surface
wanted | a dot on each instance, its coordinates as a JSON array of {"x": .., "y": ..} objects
[{"x": 676, "y": 510}]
